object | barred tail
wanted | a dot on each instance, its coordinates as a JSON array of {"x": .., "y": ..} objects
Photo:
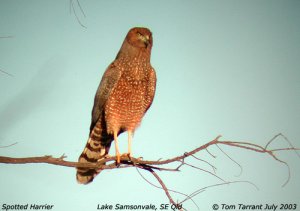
[{"x": 96, "y": 148}]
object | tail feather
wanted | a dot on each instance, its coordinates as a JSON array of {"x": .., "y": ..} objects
[{"x": 97, "y": 148}]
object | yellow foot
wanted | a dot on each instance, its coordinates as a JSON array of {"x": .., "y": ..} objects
[
  {"x": 140, "y": 158},
  {"x": 118, "y": 160},
  {"x": 126, "y": 155},
  {"x": 107, "y": 156}
]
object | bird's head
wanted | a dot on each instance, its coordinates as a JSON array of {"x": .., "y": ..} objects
[{"x": 140, "y": 37}]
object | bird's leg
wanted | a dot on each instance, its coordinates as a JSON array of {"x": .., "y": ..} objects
[
  {"x": 117, "y": 147},
  {"x": 129, "y": 153},
  {"x": 129, "y": 143}
]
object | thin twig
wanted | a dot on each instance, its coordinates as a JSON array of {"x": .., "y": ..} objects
[
  {"x": 174, "y": 191},
  {"x": 286, "y": 139},
  {"x": 9, "y": 145},
  {"x": 195, "y": 167},
  {"x": 241, "y": 168},
  {"x": 6, "y": 37},
  {"x": 215, "y": 185},
  {"x": 6, "y": 73},
  {"x": 162, "y": 185},
  {"x": 75, "y": 13},
  {"x": 212, "y": 166},
  {"x": 79, "y": 5},
  {"x": 210, "y": 153}
]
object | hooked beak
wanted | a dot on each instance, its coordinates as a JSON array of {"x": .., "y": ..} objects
[{"x": 146, "y": 40}]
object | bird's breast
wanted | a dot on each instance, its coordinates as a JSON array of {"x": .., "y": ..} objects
[{"x": 127, "y": 103}]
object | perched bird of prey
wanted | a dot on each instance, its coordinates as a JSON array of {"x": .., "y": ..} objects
[{"x": 125, "y": 93}]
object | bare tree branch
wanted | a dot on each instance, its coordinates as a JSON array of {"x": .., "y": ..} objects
[
  {"x": 174, "y": 191},
  {"x": 153, "y": 166}
]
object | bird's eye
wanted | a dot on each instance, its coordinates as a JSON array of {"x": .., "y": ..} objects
[{"x": 139, "y": 34}]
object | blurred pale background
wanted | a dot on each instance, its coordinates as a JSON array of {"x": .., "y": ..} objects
[{"x": 223, "y": 67}]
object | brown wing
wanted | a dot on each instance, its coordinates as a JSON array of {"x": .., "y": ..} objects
[
  {"x": 107, "y": 84},
  {"x": 151, "y": 88}
]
